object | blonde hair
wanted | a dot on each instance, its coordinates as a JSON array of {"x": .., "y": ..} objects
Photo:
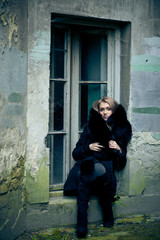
[{"x": 112, "y": 103}]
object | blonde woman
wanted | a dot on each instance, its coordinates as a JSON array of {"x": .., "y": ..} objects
[{"x": 101, "y": 149}]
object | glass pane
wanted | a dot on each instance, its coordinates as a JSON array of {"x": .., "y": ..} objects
[
  {"x": 58, "y": 52},
  {"x": 88, "y": 94},
  {"x": 57, "y": 106},
  {"x": 56, "y": 166},
  {"x": 51, "y": 107},
  {"x": 90, "y": 57},
  {"x": 59, "y": 38},
  {"x": 58, "y": 59}
]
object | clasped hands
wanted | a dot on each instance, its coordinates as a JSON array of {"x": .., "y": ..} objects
[{"x": 97, "y": 147}]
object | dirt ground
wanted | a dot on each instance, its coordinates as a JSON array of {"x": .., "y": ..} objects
[{"x": 139, "y": 229}]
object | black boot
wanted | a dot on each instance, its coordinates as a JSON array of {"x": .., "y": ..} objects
[
  {"x": 105, "y": 199},
  {"x": 82, "y": 205},
  {"x": 108, "y": 220}
]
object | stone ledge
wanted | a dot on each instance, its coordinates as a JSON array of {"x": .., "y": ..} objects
[{"x": 62, "y": 211}]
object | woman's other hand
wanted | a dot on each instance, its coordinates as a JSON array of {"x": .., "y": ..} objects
[
  {"x": 114, "y": 145},
  {"x": 95, "y": 147}
]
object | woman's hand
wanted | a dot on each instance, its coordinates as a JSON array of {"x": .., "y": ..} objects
[
  {"x": 114, "y": 145},
  {"x": 95, "y": 147}
]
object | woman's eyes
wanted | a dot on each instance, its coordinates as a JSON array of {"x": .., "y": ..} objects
[{"x": 102, "y": 109}]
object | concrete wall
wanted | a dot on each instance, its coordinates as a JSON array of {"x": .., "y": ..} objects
[
  {"x": 24, "y": 75},
  {"x": 13, "y": 93}
]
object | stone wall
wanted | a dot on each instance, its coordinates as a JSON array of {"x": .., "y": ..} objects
[
  {"x": 13, "y": 90},
  {"x": 24, "y": 90}
]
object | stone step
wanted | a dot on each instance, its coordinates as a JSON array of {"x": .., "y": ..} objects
[{"x": 62, "y": 210}]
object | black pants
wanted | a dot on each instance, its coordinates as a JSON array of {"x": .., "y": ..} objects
[{"x": 97, "y": 184}]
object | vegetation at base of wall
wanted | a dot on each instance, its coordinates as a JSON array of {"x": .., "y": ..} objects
[
  {"x": 146, "y": 229},
  {"x": 14, "y": 179}
]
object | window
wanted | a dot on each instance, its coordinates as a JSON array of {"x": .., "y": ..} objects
[{"x": 83, "y": 59}]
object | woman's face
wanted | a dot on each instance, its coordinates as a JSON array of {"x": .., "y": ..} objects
[{"x": 105, "y": 110}]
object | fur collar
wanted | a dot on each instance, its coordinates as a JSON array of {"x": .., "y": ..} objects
[
  {"x": 98, "y": 127},
  {"x": 117, "y": 121},
  {"x": 119, "y": 117}
]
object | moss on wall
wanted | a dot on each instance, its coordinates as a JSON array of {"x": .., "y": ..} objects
[
  {"x": 38, "y": 189},
  {"x": 12, "y": 201}
]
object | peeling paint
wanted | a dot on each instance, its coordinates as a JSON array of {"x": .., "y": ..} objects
[
  {"x": 2, "y": 17},
  {"x": 12, "y": 149},
  {"x": 12, "y": 28},
  {"x": 152, "y": 46},
  {"x": 15, "y": 97},
  {"x": 146, "y": 63},
  {"x": 154, "y": 41},
  {"x": 40, "y": 52},
  {"x": 146, "y": 68},
  {"x": 156, "y": 136},
  {"x": 143, "y": 155},
  {"x": 146, "y": 110}
]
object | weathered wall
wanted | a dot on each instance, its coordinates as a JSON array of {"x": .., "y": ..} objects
[
  {"x": 37, "y": 164},
  {"x": 24, "y": 74},
  {"x": 13, "y": 89}
]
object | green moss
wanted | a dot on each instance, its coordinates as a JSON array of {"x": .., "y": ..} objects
[
  {"x": 145, "y": 230},
  {"x": 38, "y": 189},
  {"x": 137, "y": 183},
  {"x": 3, "y": 188}
]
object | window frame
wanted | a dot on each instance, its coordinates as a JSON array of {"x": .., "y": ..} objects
[{"x": 72, "y": 79}]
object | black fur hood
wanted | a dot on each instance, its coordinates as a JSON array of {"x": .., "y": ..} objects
[{"x": 119, "y": 126}]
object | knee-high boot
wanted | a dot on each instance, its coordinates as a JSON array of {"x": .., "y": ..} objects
[
  {"x": 105, "y": 199},
  {"x": 82, "y": 206}
]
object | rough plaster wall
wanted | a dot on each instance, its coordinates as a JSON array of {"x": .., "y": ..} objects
[
  {"x": 144, "y": 164},
  {"x": 13, "y": 88},
  {"x": 37, "y": 164},
  {"x": 142, "y": 172},
  {"x": 140, "y": 179},
  {"x": 144, "y": 74},
  {"x": 144, "y": 102}
]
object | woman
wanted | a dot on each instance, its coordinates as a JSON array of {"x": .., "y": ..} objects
[{"x": 101, "y": 149}]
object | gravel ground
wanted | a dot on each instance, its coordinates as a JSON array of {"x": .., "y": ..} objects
[{"x": 137, "y": 229}]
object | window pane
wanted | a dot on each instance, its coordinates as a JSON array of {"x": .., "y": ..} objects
[
  {"x": 57, "y": 106},
  {"x": 58, "y": 64},
  {"x": 56, "y": 166},
  {"x": 90, "y": 57},
  {"x": 58, "y": 52},
  {"x": 59, "y": 38},
  {"x": 88, "y": 94}
]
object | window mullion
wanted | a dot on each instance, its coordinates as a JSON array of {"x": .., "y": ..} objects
[
  {"x": 117, "y": 66},
  {"x": 68, "y": 105},
  {"x": 110, "y": 64},
  {"x": 75, "y": 90}
]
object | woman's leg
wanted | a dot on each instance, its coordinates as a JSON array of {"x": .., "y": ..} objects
[
  {"x": 84, "y": 183},
  {"x": 105, "y": 199},
  {"x": 99, "y": 178},
  {"x": 104, "y": 191},
  {"x": 82, "y": 206}
]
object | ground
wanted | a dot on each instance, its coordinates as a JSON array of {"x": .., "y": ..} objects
[{"x": 139, "y": 228}]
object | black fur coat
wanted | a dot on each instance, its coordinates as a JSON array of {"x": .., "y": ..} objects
[{"x": 117, "y": 128}]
